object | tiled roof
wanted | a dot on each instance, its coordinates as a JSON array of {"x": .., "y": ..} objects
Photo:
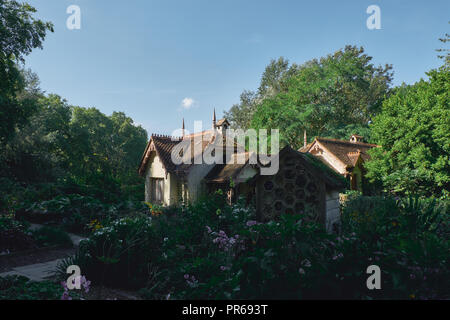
[
  {"x": 221, "y": 122},
  {"x": 305, "y": 148},
  {"x": 221, "y": 173},
  {"x": 346, "y": 151},
  {"x": 163, "y": 145}
]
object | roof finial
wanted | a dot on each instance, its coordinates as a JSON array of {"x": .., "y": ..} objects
[
  {"x": 214, "y": 118},
  {"x": 182, "y": 130}
]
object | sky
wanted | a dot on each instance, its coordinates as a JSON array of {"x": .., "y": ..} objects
[{"x": 162, "y": 61}]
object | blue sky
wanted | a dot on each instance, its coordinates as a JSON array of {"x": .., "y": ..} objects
[{"x": 149, "y": 58}]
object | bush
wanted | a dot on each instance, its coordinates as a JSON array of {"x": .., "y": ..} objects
[
  {"x": 49, "y": 236},
  {"x": 13, "y": 235},
  {"x": 21, "y": 288},
  {"x": 117, "y": 254},
  {"x": 211, "y": 250}
]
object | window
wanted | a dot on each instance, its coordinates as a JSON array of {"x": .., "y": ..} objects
[{"x": 157, "y": 190}]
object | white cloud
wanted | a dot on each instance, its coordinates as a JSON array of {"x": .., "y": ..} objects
[{"x": 187, "y": 103}]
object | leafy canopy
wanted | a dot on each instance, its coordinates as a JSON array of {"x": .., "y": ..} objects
[
  {"x": 331, "y": 96},
  {"x": 20, "y": 33},
  {"x": 414, "y": 132}
]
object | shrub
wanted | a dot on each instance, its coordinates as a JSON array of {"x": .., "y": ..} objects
[
  {"x": 117, "y": 254},
  {"x": 211, "y": 250},
  {"x": 21, "y": 288},
  {"x": 13, "y": 235},
  {"x": 50, "y": 236}
]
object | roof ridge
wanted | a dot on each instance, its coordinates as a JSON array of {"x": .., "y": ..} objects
[
  {"x": 347, "y": 142},
  {"x": 164, "y": 136}
]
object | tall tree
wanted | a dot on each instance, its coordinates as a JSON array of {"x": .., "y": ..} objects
[
  {"x": 39, "y": 151},
  {"x": 327, "y": 97},
  {"x": 20, "y": 33},
  {"x": 414, "y": 132},
  {"x": 271, "y": 83}
]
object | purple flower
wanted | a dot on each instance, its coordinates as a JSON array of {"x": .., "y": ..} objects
[
  {"x": 208, "y": 229},
  {"x": 186, "y": 276},
  {"x": 338, "y": 256},
  {"x": 301, "y": 271},
  {"x": 251, "y": 223}
]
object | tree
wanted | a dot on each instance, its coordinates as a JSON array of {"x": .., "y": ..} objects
[
  {"x": 105, "y": 150},
  {"x": 326, "y": 97},
  {"x": 272, "y": 79},
  {"x": 414, "y": 132},
  {"x": 240, "y": 115},
  {"x": 443, "y": 52},
  {"x": 20, "y": 33},
  {"x": 40, "y": 150}
]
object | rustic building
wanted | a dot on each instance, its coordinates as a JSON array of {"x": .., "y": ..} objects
[
  {"x": 302, "y": 184},
  {"x": 345, "y": 157}
]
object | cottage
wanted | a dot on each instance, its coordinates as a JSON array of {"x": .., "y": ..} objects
[
  {"x": 302, "y": 184},
  {"x": 345, "y": 157}
]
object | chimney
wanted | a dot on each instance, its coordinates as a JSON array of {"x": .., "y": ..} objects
[{"x": 305, "y": 141}]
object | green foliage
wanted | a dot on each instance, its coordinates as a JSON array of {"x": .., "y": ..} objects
[
  {"x": 84, "y": 145},
  {"x": 105, "y": 150},
  {"x": 333, "y": 96},
  {"x": 69, "y": 206},
  {"x": 210, "y": 250},
  {"x": 409, "y": 238},
  {"x": 22, "y": 288},
  {"x": 272, "y": 81},
  {"x": 50, "y": 236},
  {"x": 117, "y": 254},
  {"x": 414, "y": 132},
  {"x": 20, "y": 33},
  {"x": 14, "y": 235}
]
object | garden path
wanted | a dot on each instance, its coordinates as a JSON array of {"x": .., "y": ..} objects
[{"x": 40, "y": 271}]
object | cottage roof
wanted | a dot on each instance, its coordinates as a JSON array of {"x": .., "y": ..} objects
[
  {"x": 163, "y": 146},
  {"x": 222, "y": 173},
  {"x": 347, "y": 152},
  {"x": 317, "y": 167}
]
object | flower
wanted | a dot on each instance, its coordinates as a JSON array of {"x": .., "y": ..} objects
[
  {"x": 340, "y": 255},
  {"x": 306, "y": 263},
  {"x": 251, "y": 223},
  {"x": 301, "y": 271}
]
